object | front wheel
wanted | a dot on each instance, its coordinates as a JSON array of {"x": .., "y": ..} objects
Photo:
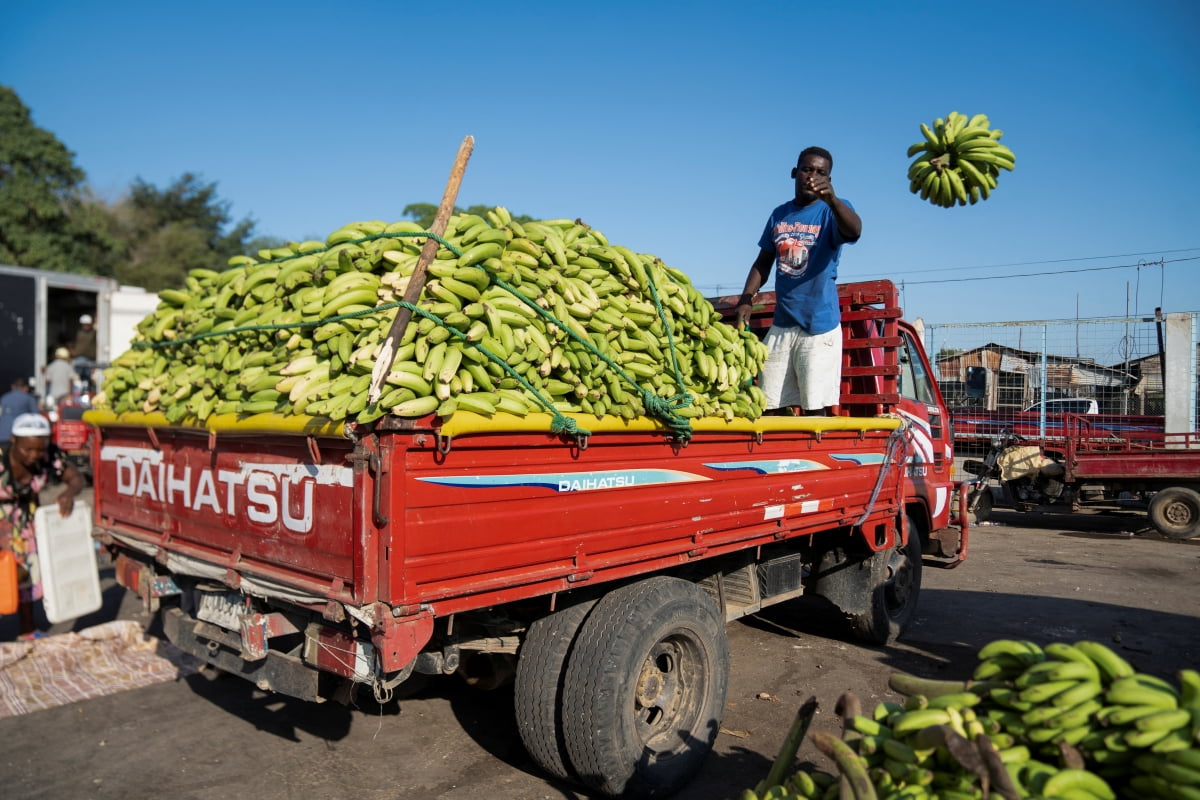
[
  {"x": 645, "y": 688},
  {"x": 1175, "y": 512},
  {"x": 893, "y": 601},
  {"x": 979, "y": 503}
]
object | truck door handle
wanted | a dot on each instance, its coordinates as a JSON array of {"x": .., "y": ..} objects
[{"x": 376, "y": 505}]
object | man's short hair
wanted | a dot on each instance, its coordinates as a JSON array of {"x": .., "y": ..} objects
[
  {"x": 20, "y": 383},
  {"x": 815, "y": 151}
]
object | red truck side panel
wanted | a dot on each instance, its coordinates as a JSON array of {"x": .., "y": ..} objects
[
  {"x": 254, "y": 503},
  {"x": 497, "y": 517},
  {"x": 539, "y": 510}
]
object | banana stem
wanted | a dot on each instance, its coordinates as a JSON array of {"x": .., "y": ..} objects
[
  {"x": 848, "y": 707},
  {"x": 791, "y": 744},
  {"x": 1001, "y": 781},
  {"x": 852, "y": 767},
  {"x": 911, "y": 685}
]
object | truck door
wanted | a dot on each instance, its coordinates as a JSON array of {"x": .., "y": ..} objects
[
  {"x": 931, "y": 458},
  {"x": 18, "y": 329}
]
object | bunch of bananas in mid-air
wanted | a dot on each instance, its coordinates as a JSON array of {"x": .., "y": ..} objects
[
  {"x": 1055, "y": 721},
  {"x": 958, "y": 160}
]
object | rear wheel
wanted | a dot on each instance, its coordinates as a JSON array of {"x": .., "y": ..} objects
[
  {"x": 537, "y": 691},
  {"x": 1175, "y": 512},
  {"x": 893, "y": 602},
  {"x": 645, "y": 688}
]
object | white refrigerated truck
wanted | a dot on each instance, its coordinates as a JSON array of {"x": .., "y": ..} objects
[{"x": 40, "y": 310}]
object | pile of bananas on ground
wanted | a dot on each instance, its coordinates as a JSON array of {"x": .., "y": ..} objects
[
  {"x": 958, "y": 161},
  {"x": 1071, "y": 721},
  {"x": 600, "y": 330}
]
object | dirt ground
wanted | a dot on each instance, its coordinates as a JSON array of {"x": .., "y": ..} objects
[{"x": 1042, "y": 577}]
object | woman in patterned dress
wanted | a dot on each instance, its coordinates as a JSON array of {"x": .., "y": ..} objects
[{"x": 26, "y": 466}]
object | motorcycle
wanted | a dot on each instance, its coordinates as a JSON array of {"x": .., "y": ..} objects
[{"x": 1027, "y": 477}]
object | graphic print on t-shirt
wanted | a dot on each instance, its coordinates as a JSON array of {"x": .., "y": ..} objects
[{"x": 792, "y": 243}]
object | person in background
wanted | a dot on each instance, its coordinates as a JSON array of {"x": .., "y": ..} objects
[
  {"x": 804, "y": 237},
  {"x": 85, "y": 339},
  {"x": 26, "y": 466},
  {"x": 84, "y": 351},
  {"x": 13, "y": 403},
  {"x": 60, "y": 376}
]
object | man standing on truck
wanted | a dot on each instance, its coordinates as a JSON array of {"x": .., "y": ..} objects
[
  {"x": 60, "y": 376},
  {"x": 85, "y": 340},
  {"x": 804, "y": 236}
]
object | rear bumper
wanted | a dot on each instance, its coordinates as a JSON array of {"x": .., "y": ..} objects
[{"x": 277, "y": 672}]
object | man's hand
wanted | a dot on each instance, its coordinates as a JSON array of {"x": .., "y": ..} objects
[
  {"x": 66, "y": 504},
  {"x": 820, "y": 185},
  {"x": 742, "y": 314}
]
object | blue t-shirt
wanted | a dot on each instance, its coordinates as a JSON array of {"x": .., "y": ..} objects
[
  {"x": 13, "y": 404},
  {"x": 807, "y": 246}
]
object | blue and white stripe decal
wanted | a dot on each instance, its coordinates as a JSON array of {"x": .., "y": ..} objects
[
  {"x": 780, "y": 466},
  {"x": 769, "y": 467},
  {"x": 858, "y": 458},
  {"x": 572, "y": 481}
]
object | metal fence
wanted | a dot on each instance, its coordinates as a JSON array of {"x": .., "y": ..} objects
[{"x": 1116, "y": 361}]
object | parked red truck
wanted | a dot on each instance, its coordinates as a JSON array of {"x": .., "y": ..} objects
[
  {"x": 975, "y": 427},
  {"x": 1088, "y": 464},
  {"x": 315, "y": 558}
]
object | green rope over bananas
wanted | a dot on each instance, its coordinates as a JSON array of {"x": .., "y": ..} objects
[{"x": 513, "y": 318}]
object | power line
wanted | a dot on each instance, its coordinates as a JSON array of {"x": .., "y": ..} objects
[
  {"x": 718, "y": 288},
  {"x": 1054, "y": 261},
  {"x": 1051, "y": 272}
]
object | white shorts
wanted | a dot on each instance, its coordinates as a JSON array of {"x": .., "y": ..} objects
[{"x": 802, "y": 369}]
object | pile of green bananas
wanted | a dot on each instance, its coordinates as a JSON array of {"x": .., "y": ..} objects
[
  {"x": 592, "y": 327},
  {"x": 958, "y": 161},
  {"x": 1060, "y": 721}
]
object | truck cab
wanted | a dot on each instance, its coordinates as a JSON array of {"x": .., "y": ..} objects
[{"x": 885, "y": 370}]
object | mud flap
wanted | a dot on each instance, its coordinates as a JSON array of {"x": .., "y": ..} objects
[{"x": 848, "y": 580}]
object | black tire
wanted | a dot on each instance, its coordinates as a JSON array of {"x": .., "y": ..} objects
[
  {"x": 894, "y": 599},
  {"x": 1175, "y": 512},
  {"x": 537, "y": 690},
  {"x": 645, "y": 688},
  {"x": 981, "y": 500}
]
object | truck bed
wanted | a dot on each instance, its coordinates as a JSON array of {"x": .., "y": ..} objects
[
  {"x": 478, "y": 511},
  {"x": 1093, "y": 456}
]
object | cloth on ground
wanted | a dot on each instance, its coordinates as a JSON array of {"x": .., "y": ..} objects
[{"x": 97, "y": 661}]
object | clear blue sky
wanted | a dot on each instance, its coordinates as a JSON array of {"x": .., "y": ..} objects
[{"x": 671, "y": 127}]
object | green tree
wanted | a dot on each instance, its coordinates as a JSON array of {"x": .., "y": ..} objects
[
  {"x": 44, "y": 218},
  {"x": 170, "y": 231}
]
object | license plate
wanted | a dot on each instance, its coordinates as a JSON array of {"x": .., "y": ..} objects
[{"x": 224, "y": 610}]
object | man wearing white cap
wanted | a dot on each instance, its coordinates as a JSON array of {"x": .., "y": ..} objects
[
  {"x": 85, "y": 339},
  {"x": 26, "y": 466},
  {"x": 60, "y": 375}
]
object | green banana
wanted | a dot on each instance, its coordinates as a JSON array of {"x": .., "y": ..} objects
[
  {"x": 950, "y": 165},
  {"x": 1112, "y": 667}
]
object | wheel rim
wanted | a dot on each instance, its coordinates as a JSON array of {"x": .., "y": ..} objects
[
  {"x": 1178, "y": 514},
  {"x": 899, "y": 584},
  {"x": 668, "y": 693}
]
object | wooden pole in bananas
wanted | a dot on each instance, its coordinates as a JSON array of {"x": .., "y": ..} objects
[{"x": 387, "y": 352}]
